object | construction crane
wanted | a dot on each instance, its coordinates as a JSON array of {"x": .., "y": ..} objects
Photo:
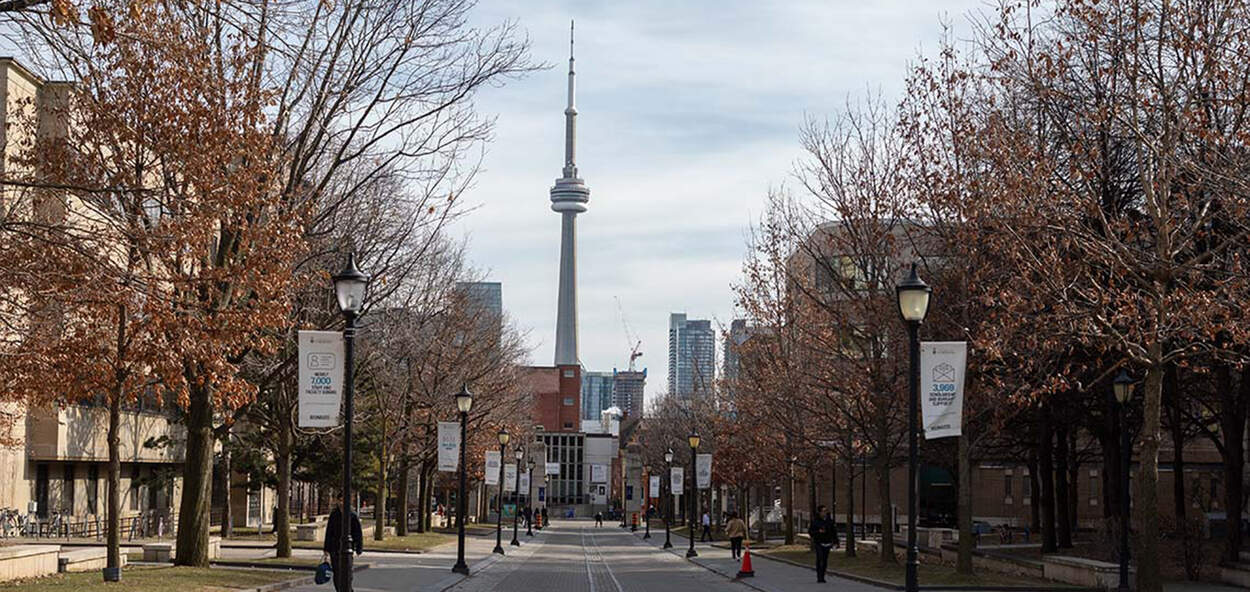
[{"x": 631, "y": 339}]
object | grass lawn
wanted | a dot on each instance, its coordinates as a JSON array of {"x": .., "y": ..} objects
[
  {"x": 276, "y": 561},
  {"x": 153, "y": 579},
  {"x": 412, "y": 542},
  {"x": 867, "y": 565}
]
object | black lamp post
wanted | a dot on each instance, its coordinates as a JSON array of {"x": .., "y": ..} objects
[
  {"x": 516, "y": 493},
  {"x": 913, "y": 305},
  {"x": 694, "y": 486},
  {"x": 646, "y": 510},
  {"x": 546, "y": 494},
  {"x": 529, "y": 501},
  {"x": 668, "y": 468},
  {"x": 464, "y": 402},
  {"x": 503, "y": 446},
  {"x": 349, "y": 290},
  {"x": 1123, "y": 386}
]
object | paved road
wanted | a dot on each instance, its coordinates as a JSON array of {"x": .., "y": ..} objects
[{"x": 579, "y": 557}]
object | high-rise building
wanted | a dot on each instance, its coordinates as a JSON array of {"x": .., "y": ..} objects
[
  {"x": 691, "y": 355},
  {"x": 738, "y": 335},
  {"x": 596, "y": 394},
  {"x": 485, "y": 303},
  {"x": 568, "y": 198},
  {"x": 627, "y": 391}
]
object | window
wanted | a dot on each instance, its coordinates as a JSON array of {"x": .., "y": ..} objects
[
  {"x": 1027, "y": 486},
  {"x": 568, "y": 401},
  {"x": 93, "y": 489},
  {"x": 41, "y": 490},
  {"x": 568, "y": 425},
  {"x": 1007, "y": 485},
  {"x": 1094, "y": 484}
]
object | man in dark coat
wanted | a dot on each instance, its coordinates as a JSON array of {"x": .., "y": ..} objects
[
  {"x": 824, "y": 533},
  {"x": 334, "y": 529}
]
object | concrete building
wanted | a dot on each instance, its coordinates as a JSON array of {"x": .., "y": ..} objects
[
  {"x": 597, "y": 390},
  {"x": 628, "y": 387},
  {"x": 691, "y": 355}
]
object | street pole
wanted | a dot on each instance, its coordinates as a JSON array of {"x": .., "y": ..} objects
[
  {"x": 646, "y": 508},
  {"x": 516, "y": 496},
  {"x": 913, "y": 304},
  {"x": 668, "y": 502},
  {"x": 503, "y": 445},
  {"x": 911, "y": 583},
  {"x": 694, "y": 500},
  {"x": 529, "y": 502},
  {"x": 461, "y": 506},
  {"x": 349, "y": 379},
  {"x": 1126, "y": 461}
]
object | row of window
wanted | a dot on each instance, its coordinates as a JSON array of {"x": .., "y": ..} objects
[
  {"x": 1200, "y": 494},
  {"x": 139, "y": 484}
]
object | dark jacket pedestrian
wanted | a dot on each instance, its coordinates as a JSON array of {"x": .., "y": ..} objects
[
  {"x": 334, "y": 529},
  {"x": 544, "y": 517},
  {"x": 824, "y": 533},
  {"x": 598, "y": 518}
]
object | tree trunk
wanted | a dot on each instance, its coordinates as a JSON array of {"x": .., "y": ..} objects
[
  {"x": 427, "y": 487},
  {"x": 197, "y": 480},
  {"x": 1074, "y": 480},
  {"x": 850, "y": 506},
  {"x": 1171, "y": 394},
  {"x": 282, "y": 516},
  {"x": 1046, "y": 468},
  {"x": 963, "y": 563},
  {"x": 227, "y": 472},
  {"x": 1146, "y": 506},
  {"x": 379, "y": 505},
  {"x": 1063, "y": 517},
  {"x": 788, "y": 497},
  {"x": 113, "y": 489},
  {"x": 1035, "y": 494},
  {"x": 765, "y": 506},
  {"x": 401, "y": 498},
  {"x": 1233, "y": 423},
  {"x": 884, "y": 509},
  {"x": 811, "y": 495}
]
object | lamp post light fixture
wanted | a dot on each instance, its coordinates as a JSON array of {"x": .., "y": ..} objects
[
  {"x": 646, "y": 509},
  {"x": 503, "y": 447},
  {"x": 1123, "y": 387},
  {"x": 349, "y": 290},
  {"x": 516, "y": 494},
  {"x": 913, "y": 305},
  {"x": 668, "y": 517},
  {"x": 529, "y": 501},
  {"x": 694, "y": 487},
  {"x": 464, "y": 402}
]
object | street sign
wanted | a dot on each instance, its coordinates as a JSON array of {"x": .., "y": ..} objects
[
  {"x": 553, "y": 468},
  {"x": 703, "y": 470},
  {"x": 525, "y": 482},
  {"x": 677, "y": 484},
  {"x": 655, "y": 486},
  {"x": 598, "y": 473},
  {"x": 492, "y": 467},
  {"x": 509, "y": 477},
  {"x": 448, "y": 446},
  {"x": 320, "y": 378},
  {"x": 942, "y": 365}
]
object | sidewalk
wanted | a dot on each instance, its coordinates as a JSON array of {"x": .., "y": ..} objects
[{"x": 770, "y": 575}]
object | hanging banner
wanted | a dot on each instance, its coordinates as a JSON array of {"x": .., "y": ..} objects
[
  {"x": 552, "y": 468},
  {"x": 525, "y": 483},
  {"x": 598, "y": 473},
  {"x": 448, "y": 446},
  {"x": 320, "y": 378},
  {"x": 492, "y": 467},
  {"x": 942, "y": 365},
  {"x": 703, "y": 471},
  {"x": 677, "y": 485},
  {"x": 509, "y": 477},
  {"x": 655, "y": 486}
]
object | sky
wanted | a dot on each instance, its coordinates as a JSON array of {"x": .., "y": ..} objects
[{"x": 688, "y": 113}]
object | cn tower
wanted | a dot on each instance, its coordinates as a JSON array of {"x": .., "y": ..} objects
[{"x": 568, "y": 198}]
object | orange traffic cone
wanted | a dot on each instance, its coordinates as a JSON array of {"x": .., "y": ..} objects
[{"x": 745, "y": 571}]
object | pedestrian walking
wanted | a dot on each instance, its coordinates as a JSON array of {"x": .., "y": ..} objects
[
  {"x": 707, "y": 528},
  {"x": 824, "y": 533},
  {"x": 545, "y": 523},
  {"x": 598, "y": 518},
  {"x": 334, "y": 530},
  {"x": 736, "y": 530},
  {"x": 529, "y": 516}
]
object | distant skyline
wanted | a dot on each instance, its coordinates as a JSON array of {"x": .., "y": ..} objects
[{"x": 688, "y": 114}]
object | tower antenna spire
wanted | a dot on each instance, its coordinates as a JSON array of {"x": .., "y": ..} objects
[{"x": 568, "y": 197}]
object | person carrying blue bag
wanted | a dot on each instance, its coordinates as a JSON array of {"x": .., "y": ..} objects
[{"x": 334, "y": 529}]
